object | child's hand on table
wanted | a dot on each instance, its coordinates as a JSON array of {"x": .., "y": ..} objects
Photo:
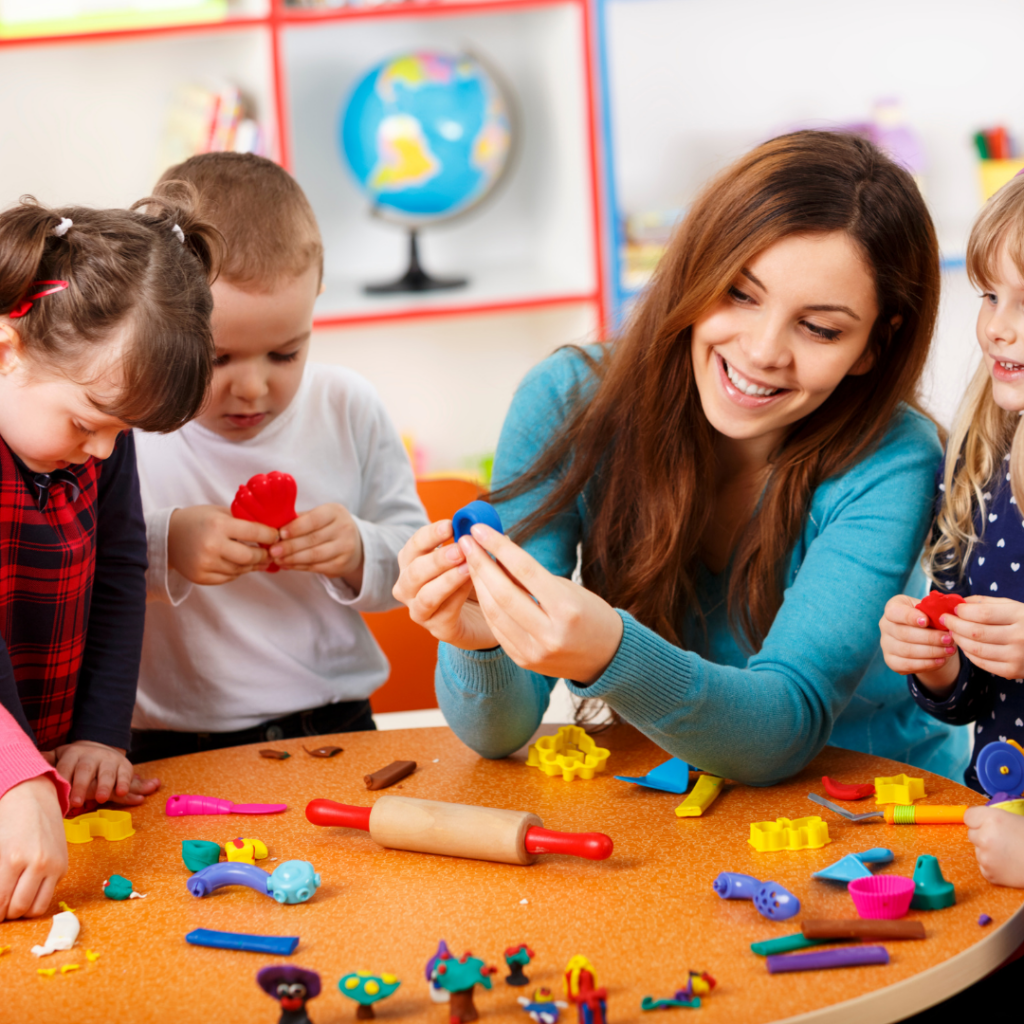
[
  {"x": 998, "y": 838},
  {"x": 207, "y": 545},
  {"x": 98, "y": 772},
  {"x": 990, "y": 631},
  {"x": 325, "y": 540},
  {"x": 33, "y": 850},
  {"x": 911, "y": 647}
]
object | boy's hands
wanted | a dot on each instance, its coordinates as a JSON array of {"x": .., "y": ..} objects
[
  {"x": 33, "y": 850},
  {"x": 325, "y": 540},
  {"x": 998, "y": 838},
  {"x": 207, "y": 545},
  {"x": 990, "y": 631},
  {"x": 98, "y": 772},
  {"x": 911, "y": 647}
]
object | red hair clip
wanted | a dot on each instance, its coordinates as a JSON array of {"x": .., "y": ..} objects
[{"x": 26, "y": 303}]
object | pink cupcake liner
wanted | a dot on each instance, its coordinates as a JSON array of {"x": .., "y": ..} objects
[{"x": 882, "y": 896}]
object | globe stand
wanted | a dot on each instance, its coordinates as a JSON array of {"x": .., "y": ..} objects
[{"x": 415, "y": 278}]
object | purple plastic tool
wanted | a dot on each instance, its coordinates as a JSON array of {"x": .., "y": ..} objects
[
  {"x": 184, "y": 803},
  {"x": 731, "y": 885},
  {"x": 770, "y": 898},
  {"x": 848, "y": 956}
]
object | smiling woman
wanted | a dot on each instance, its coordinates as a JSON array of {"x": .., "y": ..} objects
[{"x": 745, "y": 474}]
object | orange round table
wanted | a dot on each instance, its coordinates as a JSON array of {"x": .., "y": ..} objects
[{"x": 644, "y": 917}]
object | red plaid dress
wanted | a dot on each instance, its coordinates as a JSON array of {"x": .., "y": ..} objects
[{"x": 47, "y": 566}]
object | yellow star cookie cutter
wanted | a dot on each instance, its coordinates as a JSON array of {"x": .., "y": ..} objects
[
  {"x": 570, "y": 753},
  {"x": 785, "y": 834},
  {"x": 900, "y": 789}
]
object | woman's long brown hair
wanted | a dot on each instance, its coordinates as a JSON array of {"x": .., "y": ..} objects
[{"x": 638, "y": 442}]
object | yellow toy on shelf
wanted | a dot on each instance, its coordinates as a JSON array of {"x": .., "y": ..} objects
[
  {"x": 112, "y": 825},
  {"x": 900, "y": 789},
  {"x": 785, "y": 834},
  {"x": 701, "y": 797},
  {"x": 570, "y": 753},
  {"x": 245, "y": 851}
]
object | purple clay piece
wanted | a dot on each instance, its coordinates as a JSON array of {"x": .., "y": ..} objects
[
  {"x": 850, "y": 956},
  {"x": 731, "y": 885},
  {"x": 984, "y": 920}
]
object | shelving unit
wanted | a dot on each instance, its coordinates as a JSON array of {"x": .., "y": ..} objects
[{"x": 533, "y": 244}]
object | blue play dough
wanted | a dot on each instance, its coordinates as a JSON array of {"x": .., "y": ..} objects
[{"x": 473, "y": 513}]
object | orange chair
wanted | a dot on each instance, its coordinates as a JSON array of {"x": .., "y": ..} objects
[{"x": 411, "y": 650}]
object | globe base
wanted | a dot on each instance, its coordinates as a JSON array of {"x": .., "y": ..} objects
[{"x": 415, "y": 278}]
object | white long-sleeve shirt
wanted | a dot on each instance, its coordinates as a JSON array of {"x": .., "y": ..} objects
[{"x": 229, "y": 657}]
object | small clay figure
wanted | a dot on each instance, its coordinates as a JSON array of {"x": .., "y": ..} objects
[
  {"x": 543, "y": 1007},
  {"x": 581, "y": 988},
  {"x": 275, "y": 755},
  {"x": 367, "y": 988},
  {"x": 292, "y": 987},
  {"x": 460, "y": 977},
  {"x": 117, "y": 887},
  {"x": 388, "y": 776},
  {"x": 323, "y": 751},
  {"x": 517, "y": 958},
  {"x": 437, "y": 994}
]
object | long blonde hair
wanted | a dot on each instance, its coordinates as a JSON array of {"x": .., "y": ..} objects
[{"x": 983, "y": 433}]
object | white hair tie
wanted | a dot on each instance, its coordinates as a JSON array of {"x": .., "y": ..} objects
[
  {"x": 62, "y": 228},
  {"x": 179, "y": 234}
]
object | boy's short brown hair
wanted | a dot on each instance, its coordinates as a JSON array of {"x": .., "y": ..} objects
[{"x": 269, "y": 228}]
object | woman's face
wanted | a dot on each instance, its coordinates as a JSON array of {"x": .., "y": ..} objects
[{"x": 794, "y": 322}]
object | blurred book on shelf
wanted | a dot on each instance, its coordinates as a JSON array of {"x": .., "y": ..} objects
[
  {"x": 209, "y": 118},
  {"x": 646, "y": 238},
  {"x": 67, "y": 17}
]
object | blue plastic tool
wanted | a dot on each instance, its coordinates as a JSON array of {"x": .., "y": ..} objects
[
  {"x": 275, "y": 945},
  {"x": 671, "y": 777},
  {"x": 731, "y": 885},
  {"x": 770, "y": 898},
  {"x": 847, "y": 868},
  {"x": 473, "y": 513},
  {"x": 1000, "y": 768},
  {"x": 293, "y": 881}
]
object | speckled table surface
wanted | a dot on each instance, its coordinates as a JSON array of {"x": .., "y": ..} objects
[{"x": 643, "y": 917}]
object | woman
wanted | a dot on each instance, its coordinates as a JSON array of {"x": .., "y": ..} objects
[{"x": 747, "y": 479}]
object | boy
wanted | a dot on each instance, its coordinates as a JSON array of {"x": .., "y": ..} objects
[{"x": 233, "y": 654}]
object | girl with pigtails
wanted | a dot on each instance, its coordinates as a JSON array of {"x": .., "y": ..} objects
[
  {"x": 972, "y": 670},
  {"x": 104, "y": 326}
]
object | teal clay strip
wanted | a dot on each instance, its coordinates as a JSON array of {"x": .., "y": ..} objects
[{"x": 783, "y": 944}]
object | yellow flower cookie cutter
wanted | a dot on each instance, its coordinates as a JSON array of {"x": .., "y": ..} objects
[
  {"x": 785, "y": 834},
  {"x": 112, "y": 825},
  {"x": 570, "y": 753}
]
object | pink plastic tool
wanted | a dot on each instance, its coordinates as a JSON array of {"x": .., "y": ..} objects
[{"x": 183, "y": 803}]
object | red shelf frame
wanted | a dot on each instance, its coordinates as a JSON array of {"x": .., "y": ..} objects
[{"x": 281, "y": 17}]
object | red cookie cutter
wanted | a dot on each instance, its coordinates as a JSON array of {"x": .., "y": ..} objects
[
  {"x": 267, "y": 498},
  {"x": 937, "y": 604}
]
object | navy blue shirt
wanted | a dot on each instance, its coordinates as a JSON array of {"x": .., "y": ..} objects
[{"x": 994, "y": 569}]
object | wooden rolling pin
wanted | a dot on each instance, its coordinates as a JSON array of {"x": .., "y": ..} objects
[{"x": 458, "y": 830}]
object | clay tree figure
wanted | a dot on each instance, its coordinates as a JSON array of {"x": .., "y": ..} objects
[
  {"x": 518, "y": 957},
  {"x": 366, "y": 988},
  {"x": 581, "y": 990},
  {"x": 460, "y": 977},
  {"x": 291, "y": 987}
]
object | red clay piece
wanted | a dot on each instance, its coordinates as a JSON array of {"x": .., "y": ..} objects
[
  {"x": 937, "y": 604},
  {"x": 267, "y": 498},
  {"x": 842, "y": 791}
]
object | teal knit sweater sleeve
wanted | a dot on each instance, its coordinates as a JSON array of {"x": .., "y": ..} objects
[{"x": 758, "y": 721}]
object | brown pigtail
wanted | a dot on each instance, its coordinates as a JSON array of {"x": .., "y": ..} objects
[{"x": 25, "y": 231}]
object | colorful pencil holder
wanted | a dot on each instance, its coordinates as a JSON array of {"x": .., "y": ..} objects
[{"x": 882, "y": 896}]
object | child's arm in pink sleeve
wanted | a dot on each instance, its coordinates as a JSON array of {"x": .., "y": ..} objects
[{"x": 20, "y": 760}]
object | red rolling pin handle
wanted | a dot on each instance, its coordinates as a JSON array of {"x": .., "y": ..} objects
[
  {"x": 592, "y": 845},
  {"x": 327, "y": 812}
]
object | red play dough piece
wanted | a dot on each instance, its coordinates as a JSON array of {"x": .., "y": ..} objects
[
  {"x": 937, "y": 604},
  {"x": 267, "y": 498},
  {"x": 842, "y": 791}
]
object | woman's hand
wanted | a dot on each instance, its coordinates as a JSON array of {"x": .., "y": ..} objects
[
  {"x": 990, "y": 631},
  {"x": 207, "y": 545},
  {"x": 567, "y": 631},
  {"x": 98, "y": 772},
  {"x": 434, "y": 584},
  {"x": 33, "y": 850},
  {"x": 998, "y": 838},
  {"x": 911, "y": 647}
]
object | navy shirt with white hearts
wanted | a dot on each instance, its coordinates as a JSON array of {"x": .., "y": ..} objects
[{"x": 996, "y": 569}]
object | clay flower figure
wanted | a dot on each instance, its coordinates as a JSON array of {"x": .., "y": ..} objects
[{"x": 291, "y": 987}]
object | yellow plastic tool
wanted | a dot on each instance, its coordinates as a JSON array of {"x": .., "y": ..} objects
[
  {"x": 701, "y": 797},
  {"x": 1011, "y": 806},
  {"x": 112, "y": 825},
  {"x": 789, "y": 834},
  {"x": 570, "y": 753},
  {"x": 69, "y": 967},
  {"x": 245, "y": 850},
  {"x": 900, "y": 789},
  {"x": 925, "y": 814}
]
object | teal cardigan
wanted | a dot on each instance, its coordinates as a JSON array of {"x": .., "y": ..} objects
[{"x": 819, "y": 676}]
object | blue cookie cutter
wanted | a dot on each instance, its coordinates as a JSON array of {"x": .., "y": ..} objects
[
  {"x": 670, "y": 777},
  {"x": 852, "y": 866},
  {"x": 473, "y": 513}
]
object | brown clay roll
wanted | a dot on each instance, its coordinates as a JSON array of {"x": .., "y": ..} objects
[
  {"x": 863, "y": 929},
  {"x": 388, "y": 776}
]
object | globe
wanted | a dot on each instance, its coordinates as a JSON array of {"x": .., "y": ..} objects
[{"x": 428, "y": 136}]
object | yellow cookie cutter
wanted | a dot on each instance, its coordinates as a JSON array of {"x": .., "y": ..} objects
[
  {"x": 900, "y": 789},
  {"x": 570, "y": 752},
  {"x": 245, "y": 850},
  {"x": 112, "y": 825},
  {"x": 785, "y": 834}
]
